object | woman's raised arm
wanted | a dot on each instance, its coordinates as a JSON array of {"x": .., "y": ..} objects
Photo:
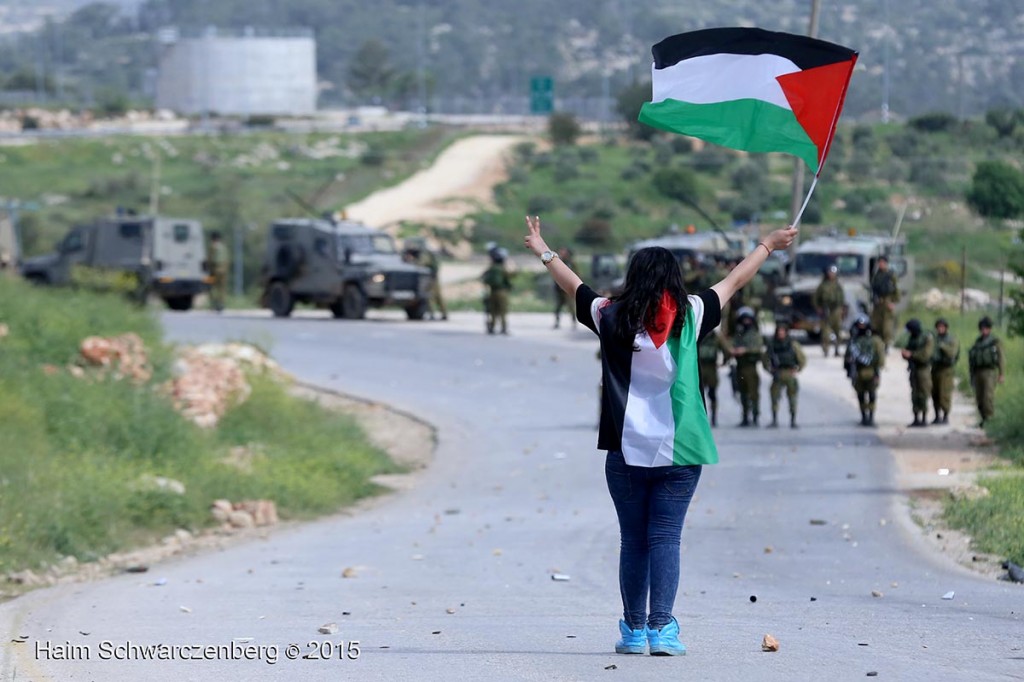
[
  {"x": 567, "y": 280},
  {"x": 748, "y": 267}
]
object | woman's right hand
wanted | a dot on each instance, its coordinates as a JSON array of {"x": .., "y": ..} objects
[{"x": 534, "y": 242}]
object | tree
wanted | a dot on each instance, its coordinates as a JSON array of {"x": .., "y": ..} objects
[
  {"x": 677, "y": 183},
  {"x": 563, "y": 129},
  {"x": 1016, "y": 310},
  {"x": 628, "y": 104},
  {"x": 997, "y": 190},
  {"x": 370, "y": 72},
  {"x": 1005, "y": 121}
]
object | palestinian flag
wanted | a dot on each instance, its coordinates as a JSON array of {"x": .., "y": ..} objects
[
  {"x": 751, "y": 89},
  {"x": 652, "y": 409}
]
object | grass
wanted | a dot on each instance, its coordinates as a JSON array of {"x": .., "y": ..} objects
[{"x": 74, "y": 452}]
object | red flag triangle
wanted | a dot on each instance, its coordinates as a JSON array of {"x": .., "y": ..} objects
[{"x": 816, "y": 97}]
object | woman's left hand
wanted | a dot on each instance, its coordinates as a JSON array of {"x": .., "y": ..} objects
[{"x": 534, "y": 242}]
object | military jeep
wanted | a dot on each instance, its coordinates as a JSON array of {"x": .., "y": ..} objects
[
  {"x": 139, "y": 255},
  {"x": 343, "y": 266}
]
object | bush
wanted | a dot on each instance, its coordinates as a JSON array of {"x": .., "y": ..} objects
[
  {"x": 524, "y": 152},
  {"x": 997, "y": 190},
  {"x": 906, "y": 143},
  {"x": 947, "y": 273},
  {"x": 563, "y": 128},
  {"x": 682, "y": 144},
  {"x": 540, "y": 203},
  {"x": 595, "y": 232},
  {"x": 628, "y": 104},
  {"x": 711, "y": 159},
  {"x": 934, "y": 122},
  {"x": 677, "y": 183},
  {"x": 1004, "y": 121},
  {"x": 373, "y": 156}
]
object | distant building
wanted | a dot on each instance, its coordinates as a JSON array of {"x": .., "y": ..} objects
[{"x": 238, "y": 73}]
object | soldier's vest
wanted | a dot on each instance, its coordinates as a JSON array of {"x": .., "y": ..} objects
[
  {"x": 916, "y": 344},
  {"x": 984, "y": 354},
  {"x": 782, "y": 355},
  {"x": 832, "y": 297},
  {"x": 940, "y": 359},
  {"x": 884, "y": 284},
  {"x": 707, "y": 351},
  {"x": 863, "y": 353},
  {"x": 748, "y": 340}
]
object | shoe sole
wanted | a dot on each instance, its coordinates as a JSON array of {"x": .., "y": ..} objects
[
  {"x": 667, "y": 652},
  {"x": 630, "y": 650}
]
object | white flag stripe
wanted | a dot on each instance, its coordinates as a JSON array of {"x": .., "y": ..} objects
[{"x": 723, "y": 77}]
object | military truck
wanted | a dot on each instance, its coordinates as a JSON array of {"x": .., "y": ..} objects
[
  {"x": 856, "y": 258},
  {"x": 696, "y": 249},
  {"x": 343, "y": 266},
  {"x": 141, "y": 255}
]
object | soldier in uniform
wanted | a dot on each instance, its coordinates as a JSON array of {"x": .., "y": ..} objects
[
  {"x": 709, "y": 351},
  {"x": 784, "y": 360},
  {"x": 947, "y": 352},
  {"x": 499, "y": 283},
  {"x": 747, "y": 348},
  {"x": 918, "y": 354},
  {"x": 865, "y": 358},
  {"x": 885, "y": 294},
  {"x": 987, "y": 366},
  {"x": 562, "y": 299},
  {"x": 218, "y": 259},
  {"x": 829, "y": 299},
  {"x": 428, "y": 259}
]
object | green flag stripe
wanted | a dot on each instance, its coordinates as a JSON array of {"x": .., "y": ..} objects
[
  {"x": 749, "y": 124},
  {"x": 693, "y": 442}
]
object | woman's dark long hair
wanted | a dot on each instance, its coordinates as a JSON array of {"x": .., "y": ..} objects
[{"x": 652, "y": 271}]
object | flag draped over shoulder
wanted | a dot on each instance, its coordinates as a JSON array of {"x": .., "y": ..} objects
[{"x": 751, "y": 89}]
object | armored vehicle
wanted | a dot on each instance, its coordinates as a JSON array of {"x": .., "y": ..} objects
[
  {"x": 856, "y": 258},
  {"x": 141, "y": 254},
  {"x": 701, "y": 250},
  {"x": 340, "y": 265}
]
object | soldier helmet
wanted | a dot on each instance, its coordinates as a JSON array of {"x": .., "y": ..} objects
[
  {"x": 499, "y": 255},
  {"x": 914, "y": 326},
  {"x": 941, "y": 322},
  {"x": 832, "y": 269},
  {"x": 862, "y": 321},
  {"x": 745, "y": 311},
  {"x": 216, "y": 236},
  {"x": 985, "y": 323}
]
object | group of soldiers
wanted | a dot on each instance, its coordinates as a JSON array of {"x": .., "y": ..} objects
[
  {"x": 931, "y": 357},
  {"x": 781, "y": 356}
]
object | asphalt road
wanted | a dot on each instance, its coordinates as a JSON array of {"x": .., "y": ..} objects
[{"x": 517, "y": 493}]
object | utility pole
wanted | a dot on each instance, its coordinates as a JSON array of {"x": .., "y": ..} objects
[
  {"x": 154, "y": 189},
  {"x": 421, "y": 49},
  {"x": 885, "y": 68},
  {"x": 798, "y": 164}
]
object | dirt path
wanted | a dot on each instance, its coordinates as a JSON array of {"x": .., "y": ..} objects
[{"x": 462, "y": 179}]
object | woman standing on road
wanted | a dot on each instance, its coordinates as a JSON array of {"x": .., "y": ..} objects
[{"x": 653, "y": 422}]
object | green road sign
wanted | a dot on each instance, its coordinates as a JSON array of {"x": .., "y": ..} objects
[{"x": 542, "y": 95}]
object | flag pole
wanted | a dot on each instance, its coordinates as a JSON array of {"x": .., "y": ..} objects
[{"x": 807, "y": 199}]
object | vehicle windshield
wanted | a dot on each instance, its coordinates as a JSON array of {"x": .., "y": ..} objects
[
  {"x": 366, "y": 243},
  {"x": 817, "y": 263}
]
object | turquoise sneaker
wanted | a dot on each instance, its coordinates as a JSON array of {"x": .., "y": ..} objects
[
  {"x": 633, "y": 641},
  {"x": 665, "y": 642}
]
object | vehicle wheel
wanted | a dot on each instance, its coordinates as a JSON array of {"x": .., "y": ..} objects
[
  {"x": 352, "y": 305},
  {"x": 179, "y": 302},
  {"x": 280, "y": 300},
  {"x": 418, "y": 310}
]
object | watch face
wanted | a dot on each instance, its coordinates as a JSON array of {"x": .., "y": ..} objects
[{"x": 547, "y": 257}]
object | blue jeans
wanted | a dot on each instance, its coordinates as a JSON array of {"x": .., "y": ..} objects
[{"x": 651, "y": 504}]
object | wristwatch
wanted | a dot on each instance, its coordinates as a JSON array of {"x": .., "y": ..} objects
[{"x": 547, "y": 257}]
